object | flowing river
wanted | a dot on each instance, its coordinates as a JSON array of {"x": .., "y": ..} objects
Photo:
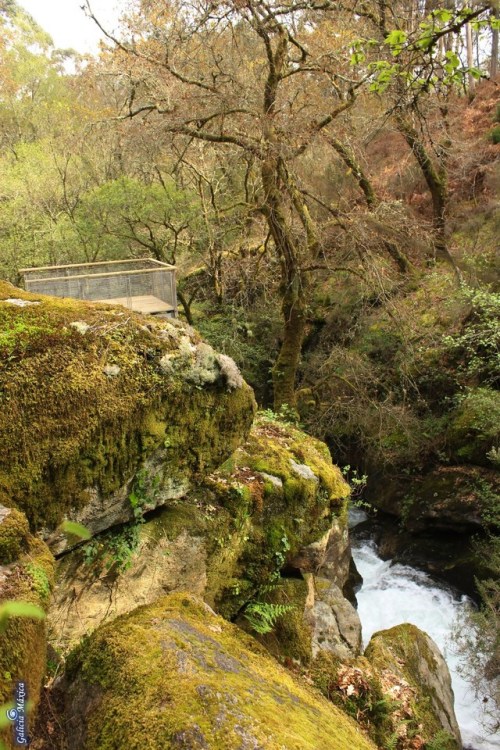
[{"x": 392, "y": 594}]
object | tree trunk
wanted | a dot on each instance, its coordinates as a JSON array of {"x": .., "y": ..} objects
[
  {"x": 398, "y": 256},
  {"x": 371, "y": 199},
  {"x": 186, "y": 306},
  {"x": 437, "y": 184},
  {"x": 293, "y": 285},
  {"x": 470, "y": 58},
  {"x": 285, "y": 368},
  {"x": 494, "y": 48},
  {"x": 350, "y": 160}
]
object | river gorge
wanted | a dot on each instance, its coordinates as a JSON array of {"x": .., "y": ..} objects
[{"x": 392, "y": 593}]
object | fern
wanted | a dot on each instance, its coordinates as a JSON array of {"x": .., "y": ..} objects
[
  {"x": 392, "y": 742},
  {"x": 441, "y": 741},
  {"x": 263, "y": 616}
]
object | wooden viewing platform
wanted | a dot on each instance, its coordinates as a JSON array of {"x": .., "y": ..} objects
[
  {"x": 146, "y": 304},
  {"x": 144, "y": 285}
]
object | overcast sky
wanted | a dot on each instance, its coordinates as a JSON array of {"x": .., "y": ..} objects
[{"x": 67, "y": 23}]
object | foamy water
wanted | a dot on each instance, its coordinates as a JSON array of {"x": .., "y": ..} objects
[{"x": 393, "y": 594}]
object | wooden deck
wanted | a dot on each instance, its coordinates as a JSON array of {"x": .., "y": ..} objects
[{"x": 146, "y": 304}]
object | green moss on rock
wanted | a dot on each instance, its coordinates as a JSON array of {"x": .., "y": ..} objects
[
  {"x": 14, "y": 530},
  {"x": 285, "y": 483},
  {"x": 409, "y": 654},
  {"x": 174, "y": 675},
  {"x": 291, "y": 637},
  {"x": 28, "y": 578},
  {"x": 73, "y": 435},
  {"x": 227, "y": 540}
]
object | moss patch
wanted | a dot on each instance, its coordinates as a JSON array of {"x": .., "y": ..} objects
[
  {"x": 23, "y": 643},
  {"x": 407, "y": 653},
  {"x": 14, "y": 530},
  {"x": 174, "y": 675},
  {"x": 69, "y": 429}
]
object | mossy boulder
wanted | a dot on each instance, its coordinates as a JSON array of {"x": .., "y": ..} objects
[
  {"x": 230, "y": 538},
  {"x": 174, "y": 675},
  {"x": 27, "y": 578},
  {"x": 295, "y": 494},
  {"x": 406, "y": 656},
  {"x": 91, "y": 394}
]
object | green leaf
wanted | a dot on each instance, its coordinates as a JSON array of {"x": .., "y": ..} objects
[
  {"x": 75, "y": 529},
  {"x": 453, "y": 58},
  {"x": 357, "y": 58},
  {"x": 443, "y": 15},
  {"x": 396, "y": 38},
  {"x": 425, "y": 41}
]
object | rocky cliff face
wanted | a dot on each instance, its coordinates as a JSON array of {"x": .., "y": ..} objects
[
  {"x": 227, "y": 540},
  {"x": 141, "y": 432}
]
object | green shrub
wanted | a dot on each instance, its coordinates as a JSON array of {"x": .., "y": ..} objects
[
  {"x": 494, "y": 135},
  {"x": 475, "y": 426},
  {"x": 476, "y": 347}
]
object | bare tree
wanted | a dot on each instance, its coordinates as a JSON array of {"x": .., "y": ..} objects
[{"x": 251, "y": 76}]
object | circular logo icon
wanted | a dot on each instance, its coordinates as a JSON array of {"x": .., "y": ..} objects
[{"x": 12, "y": 714}]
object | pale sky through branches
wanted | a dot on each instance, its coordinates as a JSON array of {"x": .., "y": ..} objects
[{"x": 67, "y": 24}]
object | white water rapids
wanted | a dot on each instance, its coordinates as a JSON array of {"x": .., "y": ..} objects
[{"x": 393, "y": 594}]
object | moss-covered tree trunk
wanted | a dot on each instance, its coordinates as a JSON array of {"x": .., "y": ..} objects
[
  {"x": 285, "y": 368},
  {"x": 293, "y": 285},
  {"x": 350, "y": 161},
  {"x": 280, "y": 194}
]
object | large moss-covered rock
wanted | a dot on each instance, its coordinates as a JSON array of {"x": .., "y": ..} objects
[
  {"x": 90, "y": 394},
  {"x": 174, "y": 675},
  {"x": 406, "y": 656},
  {"x": 26, "y": 576},
  {"x": 226, "y": 541},
  {"x": 452, "y": 498}
]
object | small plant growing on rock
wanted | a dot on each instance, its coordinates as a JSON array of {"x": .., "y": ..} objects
[{"x": 262, "y": 616}]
